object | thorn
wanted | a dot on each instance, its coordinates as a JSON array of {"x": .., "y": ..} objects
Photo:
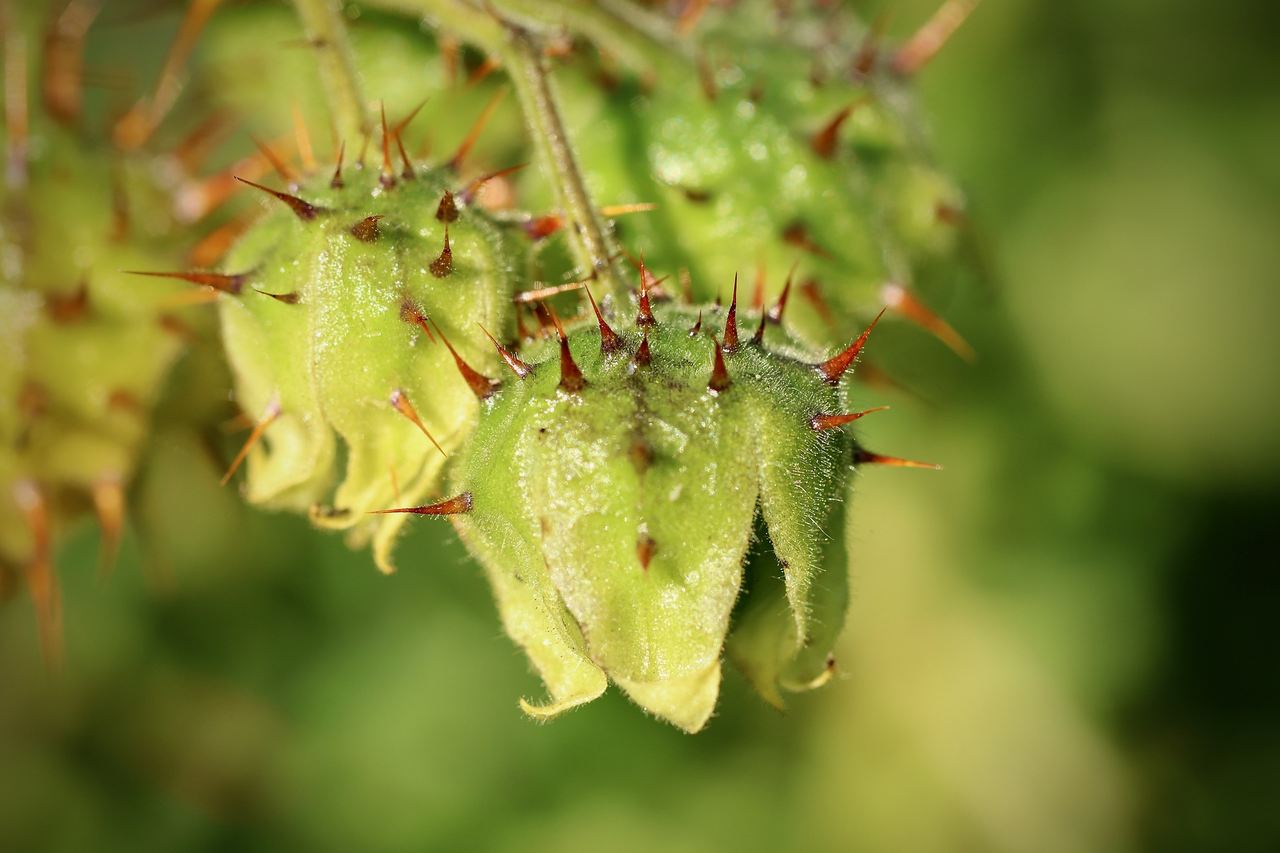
[
  {"x": 525, "y": 297},
  {"x": 779, "y": 308},
  {"x": 720, "y": 380},
  {"x": 68, "y": 307},
  {"x": 757, "y": 295},
  {"x": 41, "y": 579},
  {"x": 280, "y": 166},
  {"x": 615, "y": 210},
  {"x": 442, "y": 266},
  {"x": 643, "y": 356},
  {"x": 697, "y": 327},
  {"x": 469, "y": 141},
  {"x": 290, "y": 298},
  {"x": 690, "y": 15},
  {"x": 482, "y": 386},
  {"x": 522, "y": 331},
  {"x": 865, "y": 62},
  {"x": 469, "y": 192},
  {"x": 866, "y": 457},
  {"x": 518, "y": 367},
  {"x": 232, "y": 284},
  {"x": 482, "y": 71},
  {"x": 408, "y": 173},
  {"x": 453, "y": 506},
  {"x": 211, "y": 248},
  {"x": 400, "y": 402},
  {"x": 731, "y": 320},
  {"x": 410, "y": 313},
  {"x": 833, "y": 368},
  {"x": 707, "y": 79},
  {"x": 924, "y": 45},
  {"x": 447, "y": 209},
  {"x": 820, "y": 422},
  {"x": 194, "y": 148},
  {"x": 541, "y": 227},
  {"x": 108, "y": 504},
  {"x": 641, "y": 455},
  {"x": 686, "y": 286},
  {"x": 302, "y": 209},
  {"x": 758, "y": 338},
  {"x": 336, "y": 181},
  {"x": 269, "y": 415},
  {"x": 812, "y": 292},
  {"x": 824, "y": 141},
  {"x": 63, "y": 83},
  {"x": 388, "y": 178},
  {"x": 366, "y": 230},
  {"x": 571, "y": 378},
  {"x": 404, "y": 123},
  {"x": 302, "y": 137},
  {"x": 797, "y": 235},
  {"x": 644, "y": 317},
  {"x": 645, "y": 548},
  {"x": 906, "y": 303},
  {"x": 609, "y": 340}
]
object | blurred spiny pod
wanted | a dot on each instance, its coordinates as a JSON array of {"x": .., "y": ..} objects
[{"x": 87, "y": 347}]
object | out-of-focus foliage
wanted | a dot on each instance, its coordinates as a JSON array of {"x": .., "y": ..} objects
[{"x": 1058, "y": 643}]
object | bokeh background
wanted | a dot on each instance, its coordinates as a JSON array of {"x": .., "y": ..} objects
[{"x": 1063, "y": 642}]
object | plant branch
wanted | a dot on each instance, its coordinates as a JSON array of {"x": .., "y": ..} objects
[{"x": 327, "y": 32}]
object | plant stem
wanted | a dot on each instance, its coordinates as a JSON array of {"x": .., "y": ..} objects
[
  {"x": 520, "y": 53},
  {"x": 327, "y": 31}
]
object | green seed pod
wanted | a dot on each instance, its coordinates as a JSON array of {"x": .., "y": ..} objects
[
  {"x": 610, "y": 490},
  {"x": 87, "y": 346},
  {"x": 801, "y": 143},
  {"x": 338, "y": 312}
]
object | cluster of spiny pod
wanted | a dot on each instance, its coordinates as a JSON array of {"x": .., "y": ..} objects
[{"x": 649, "y": 488}]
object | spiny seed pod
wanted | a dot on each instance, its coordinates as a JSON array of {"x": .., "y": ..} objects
[
  {"x": 611, "y": 490},
  {"x": 87, "y": 347},
  {"x": 344, "y": 312},
  {"x": 801, "y": 143}
]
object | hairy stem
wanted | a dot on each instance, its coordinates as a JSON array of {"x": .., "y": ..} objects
[
  {"x": 520, "y": 53},
  {"x": 327, "y": 31}
]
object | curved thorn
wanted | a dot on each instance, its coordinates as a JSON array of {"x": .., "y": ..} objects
[
  {"x": 400, "y": 402},
  {"x": 820, "y": 422},
  {"x": 453, "y": 506},
  {"x": 833, "y": 368}
]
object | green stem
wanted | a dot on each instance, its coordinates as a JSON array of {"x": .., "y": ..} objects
[
  {"x": 520, "y": 53},
  {"x": 327, "y": 31}
]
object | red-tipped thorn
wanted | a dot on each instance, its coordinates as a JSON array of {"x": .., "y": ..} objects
[
  {"x": 609, "y": 340},
  {"x": 778, "y": 308},
  {"x": 453, "y": 506},
  {"x": 821, "y": 422},
  {"x": 411, "y": 313},
  {"x": 697, "y": 327},
  {"x": 833, "y": 368},
  {"x": 866, "y": 457},
  {"x": 731, "y": 320},
  {"x": 366, "y": 230},
  {"x": 906, "y": 303},
  {"x": 644, "y": 316},
  {"x": 645, "y": 548},
  {"x": 720, "y": 380},
  {"x": 269, "y": 416},
  {"x": 758, "y": 338},
  {"x": 232, "y": 284},
  {"x": 824, "y": 141},
  {"x": 400, "y": 402},
  {"x": 518, "y": 367},
  {"x": 482, "y": 386},
  {"x": 277, "y": 162},
  {"x": 643, "y": 356},
  {"x": 108, "y": 505},
  {"x": 304, "y": 210},
  {"x": 925, "y": 43},
  {"x": 290, "y": 298},
  {"x": 571, "y": 378},
  {"x": 336, "y": 181},
  {"x": 447, "y": 209},
  {"x": 469, "y": 141},
  {"x": 442, "y": 266}
]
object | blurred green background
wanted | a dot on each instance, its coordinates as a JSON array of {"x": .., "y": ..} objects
[{"x": 1060, "y": 643}]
